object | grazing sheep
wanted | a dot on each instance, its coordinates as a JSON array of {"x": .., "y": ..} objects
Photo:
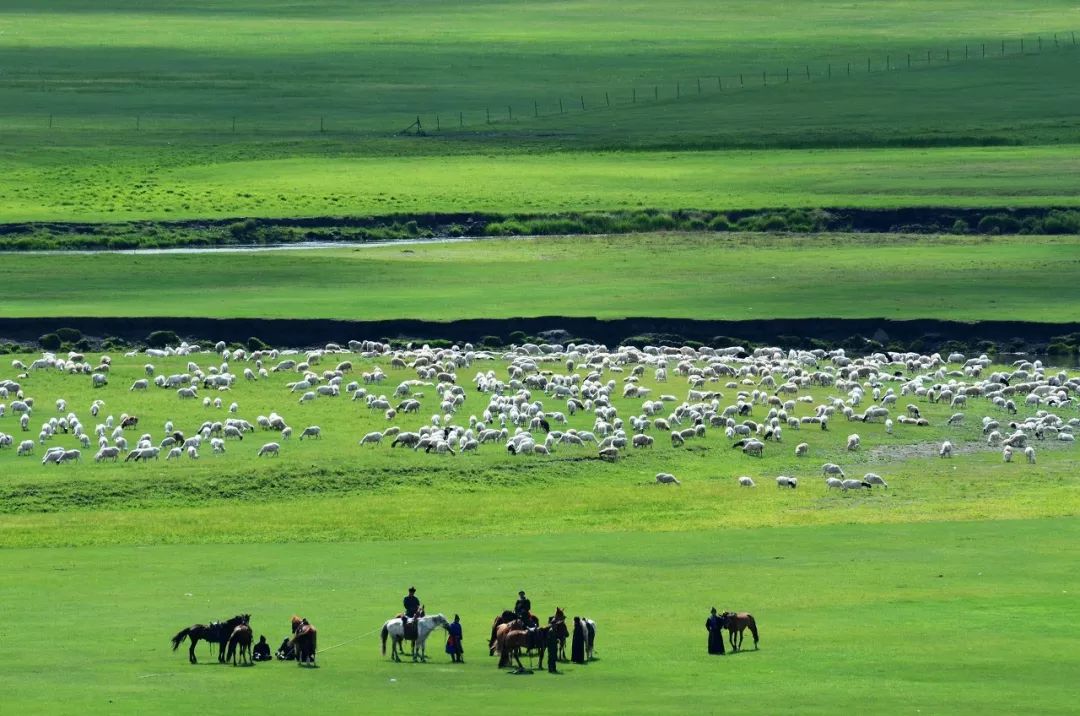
[
  {"x": 889, "y": 426},
  {"x": 609, "y": 454},
  {"x": 1007, "y": 454},
  {"x": 1029, "y": 453},
  {"x": 955, "y": 419},
  {"x": 640, "y": 441},
  {"x": 832, "y": 469},
  {"x": 853, "y": 442},
  {"x": 802, "y": 450},
  {"x": 666, "y": 478},
  {"x": 855, "y": 485},
  {"x": 753, "y": 447},
  {"x": 269, "y": 449},
  {"x": 107, "y": 453},
  {"x": 312, "y": 431},
  {"x": 142, "y": 384},
  {"x": 26, "y": 447},
  {"x": 99, "y": 380},
  {"x": 76, "y": 456},
  {"x": 745, "y": 481},
  {"x": 372, "y": 438},
  {"x": 174, "y": 454},
  {"x": 946, "y": 449},
  {"x": 193, "y": 452},
  {"x": 875, "y": 479},
  {"x": 786, "y": 481},
  {"x": 677, "y": 440},
  {"x": 834, "y": 483}
]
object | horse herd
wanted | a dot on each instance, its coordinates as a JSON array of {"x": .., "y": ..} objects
[
  {"x": 234, "y": 637},
  {"x": 509, "y": 635}
]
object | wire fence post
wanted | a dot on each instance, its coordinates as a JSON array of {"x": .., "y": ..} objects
[
  {"x": 867, "y": 65},
  {"x": 50, "y": 121},
  {"x": 582, "y": 103},
  {"x": 487, "y": 110},
  {"x": 656, "y": 91},
  {"x": 928, "y": 57},
  {"x": 1003, "y": 48},
  {"x": 888, "y": 63},
  {"x": 849, "y": 69},
  {"x": 764, "y": 79},
  {"x": 828, "y": 72},
  {"x": 741, "y": 83},
  {"x": 909, "y": 60},
  {"x": 1021, "y": 45},
  {"x": 461, "y": 120},
  {"x": 633, "y": 97},
  {"x": 947, "y": 58},
  {"x": 607, "y": 98},
  {"x": 787, "y": 74},
  {"x": 561, "y": 110},
  {"x": 678, "y": 90},
  {"x": 509, "y": 113},
  {"x": 234, "y": 124},
  {"x": 536, "y": 108},
  {"x": 808, "y": 72},
  {"x": 322, "y": 124},
  {"x": 437, "y": 125},
  {"x": 138, "y": 122},
  {"x": 699, "y": 85}
]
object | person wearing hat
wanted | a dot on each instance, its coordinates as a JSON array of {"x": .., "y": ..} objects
[
  {"x": 453, "y": 641},
  {"x": 412, "y": 606},
  {"x": 715, "y": 625},
  {"x": 523, "y": 608}
]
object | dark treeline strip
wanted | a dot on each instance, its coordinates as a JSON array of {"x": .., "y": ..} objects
[{"x": 344, "y": 229}]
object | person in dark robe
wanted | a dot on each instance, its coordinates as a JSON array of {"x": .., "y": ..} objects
[
  {"x": 286, "y": 652},
  {"x": 715, "y": 625},
  {"x": 261, "y": 652},
  {"x": 577, "y": 642},
  {"x": 552, "y": 648},
  {"x": 453, "y": 642},
  {"x": 523, "y": 608}
]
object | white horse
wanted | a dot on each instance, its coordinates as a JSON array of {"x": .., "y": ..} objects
[{"x": 424, "y": 626}]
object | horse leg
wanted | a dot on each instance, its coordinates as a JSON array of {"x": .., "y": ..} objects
[{"x": 191, "y": 650}]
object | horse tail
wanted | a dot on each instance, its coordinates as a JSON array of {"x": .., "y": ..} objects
[
  {"x": 231, "y": 652},
  {"x": 385, "y": 631},
  {"x": 179, "y": 638},
  {"x": 753, "y": 629}
]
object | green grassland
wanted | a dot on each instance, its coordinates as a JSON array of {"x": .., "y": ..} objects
[
  {"x": 721, "y": 276},
  {"x": 142, "y": 102},
  {"x": 102, "y": 503},
  {"x": 946, "y": 617}
]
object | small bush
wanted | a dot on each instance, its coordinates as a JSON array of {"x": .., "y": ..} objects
[
  {"x": 490, "y": 341},
  {"x": 254, "y": 344},
  {"x": 998, "y": 224},
  {"x": 719, "y": 223},
  {"x": 50, "y": 342},
  {"x": 1061, "y": 222},
  {"x": 960, "y": 227},
  {"x": 69, "y": 335},
  {"x": 160, "y": 339}
]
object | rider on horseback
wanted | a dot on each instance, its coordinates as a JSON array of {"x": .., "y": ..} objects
[
  {"x": 523, "y": 609},
  {"x": 412, "y": 607}
]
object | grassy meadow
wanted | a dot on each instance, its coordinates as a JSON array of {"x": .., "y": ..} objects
[
  {"x": 705, "y": 276},
  {"x": 126, "y": 111},
  {"x": 911, "y": 597}
]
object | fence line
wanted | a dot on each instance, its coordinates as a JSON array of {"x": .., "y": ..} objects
[
  {"x": 718, "y": 83},
  {"x": 502, "y": 112}
]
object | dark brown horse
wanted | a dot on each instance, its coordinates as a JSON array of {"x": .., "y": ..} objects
[
  {"x": 241, "y": 637},
  {"x": 736, "y": 623},
  {"x": 303, "y": 641},
  {"x": 513, "y": 636},
  {"x": 215, "y": 633}
]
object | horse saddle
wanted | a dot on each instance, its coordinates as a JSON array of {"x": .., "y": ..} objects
[{"x": 409, "y": 629}]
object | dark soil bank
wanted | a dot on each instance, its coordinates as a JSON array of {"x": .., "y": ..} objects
[{"x": 857, "y": 334}]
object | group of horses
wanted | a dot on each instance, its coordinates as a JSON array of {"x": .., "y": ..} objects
[
  {"x": 510, "y": 633},
  {"x": 234, "y": 638}
]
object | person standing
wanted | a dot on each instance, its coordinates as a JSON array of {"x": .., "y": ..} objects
[
  {"x": 453, "y": 642},
  {"x": 715, "y": 625},
  {"x": 552, "y": 647},
  {"x": 577, "y": 642}
]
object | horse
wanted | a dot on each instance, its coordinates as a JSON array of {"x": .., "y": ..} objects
[
  {"x": 511, "y": 637},
  {"x": 506, "y": 618},
  {"x": 401, "y": 632},
  {"x": 215, "y": 633},
  {"x": 736, "y": 623},
  {"x": 590, "y": 637},
  {"x": 303, "y": 641},
  {"x": 241, "y": 636}
]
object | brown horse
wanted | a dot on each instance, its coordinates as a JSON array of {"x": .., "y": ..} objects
[
  {"x": 303, "y": 641},
  {"x": 512, "y": 637},
  {"x": 215, "y": 633},
  {"x": 736, "y": 623},
  {"x": 241, "y": 637}
]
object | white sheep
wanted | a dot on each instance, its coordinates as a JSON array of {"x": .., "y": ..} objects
[
  {"x": 1029, "y": 453},
  {"x": 666, "y": 478},
  {"x": 802, "y": 450},
  {"x": 26, "y": 447},
  {"x": 312, "y": 431},
  {"x": 786, "y": 481},
  {"x": 855, "y": 485},
  {"x": 946, "y": 449},
  {"x": 853, "y": 442},
  {"x": 875, "y": 479},
  {"x": 107, "y": 453},
  {"x": 745, "y": 481},
  {"x": 832, "y": 469},
  {"x": 193, "y": 452},
  {"x": 372, "y": 438},
  {"x": 269, "y": 449},
  {"x": 174, "y": 454},
  {"x": 641, "y": 441},
  {"x": 1007, "y": 454},
  {"x": 141, "y": 384},
  {"x": 834, "y": 483}
]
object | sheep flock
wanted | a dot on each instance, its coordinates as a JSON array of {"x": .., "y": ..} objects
[{"x": 542, "y": 401}]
